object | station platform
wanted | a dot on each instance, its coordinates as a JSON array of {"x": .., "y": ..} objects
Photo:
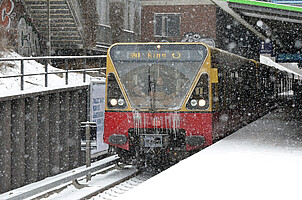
[{"x": 262, "y": 160}]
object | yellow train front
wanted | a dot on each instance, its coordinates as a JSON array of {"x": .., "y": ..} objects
[{"x": 164, "y": 99}]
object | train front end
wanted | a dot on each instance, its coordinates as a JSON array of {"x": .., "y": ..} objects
[{"x": 158, "y": 99}]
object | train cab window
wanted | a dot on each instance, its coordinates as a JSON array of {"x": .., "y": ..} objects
[
  {"x": 158, "y": 76},
  {"x": 158, "y": 86}
]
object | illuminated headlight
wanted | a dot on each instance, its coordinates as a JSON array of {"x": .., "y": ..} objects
[
  {"x": 202, "y": 102},
  {"x": 113, "y": 102},
  {"x": 193, "y": 102},
  {"x": 120, "y": 102}
]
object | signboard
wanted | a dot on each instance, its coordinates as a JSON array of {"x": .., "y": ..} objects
[
  {"x": 266, "y": 47},
  {"x": 158, "y": 53},
  {"x": 166, "y": 55},
  {"x": 97, "y": 112},
  {"x": 284, "y": 57}
]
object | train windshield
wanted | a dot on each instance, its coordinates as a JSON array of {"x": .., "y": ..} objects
[{"x": 157, "y": 76}]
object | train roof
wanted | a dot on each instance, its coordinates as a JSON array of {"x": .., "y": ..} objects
[
  {"x": 263, "y": 60},
  {"x": 267, "y": 61}
]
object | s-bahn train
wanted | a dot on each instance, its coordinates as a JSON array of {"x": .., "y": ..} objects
[{"x": 166, "y": 100}]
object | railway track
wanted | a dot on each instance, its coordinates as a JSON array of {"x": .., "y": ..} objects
[
  {"x": 124, "y": 186},
  {"x": 104, "y": 185},
  {"x": 107, "y": 182}
]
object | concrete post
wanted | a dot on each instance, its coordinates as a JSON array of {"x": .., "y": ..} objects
[
  {"x": 43, "y": 137},
  {"x": 74, "y": 123},
  {"x": 31, "y": 139},
  {"x": 5, "y": 143},
  {"x": 64, "y": 131},
  {"x": 54, "y": 137},
  {"x": 18, "y": 143}
]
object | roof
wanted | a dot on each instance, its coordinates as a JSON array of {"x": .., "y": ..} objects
[{"x": 267, "y": 4}]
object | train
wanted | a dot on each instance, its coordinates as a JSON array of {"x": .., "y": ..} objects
[{"x": 165, "y": 101}]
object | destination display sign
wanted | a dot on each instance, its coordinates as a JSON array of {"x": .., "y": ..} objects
[{"x": 158, "y": 55}]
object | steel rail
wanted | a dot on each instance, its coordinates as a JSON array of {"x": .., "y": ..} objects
[
  {"x": 120, "y": 187},
  {"x": 60, "y": 179},
  {"x": 112, "y": 184}
]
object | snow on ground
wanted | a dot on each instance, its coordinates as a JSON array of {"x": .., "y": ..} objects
[
  {"x": 9, "y": 86},
  {"x": 260, "y": 161}
]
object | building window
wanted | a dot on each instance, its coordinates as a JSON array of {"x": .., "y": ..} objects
[{"x": 167, "y": 25}]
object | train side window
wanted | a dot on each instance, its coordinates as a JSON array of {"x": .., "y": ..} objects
[
  {"x": 233, "y": 90},
  {"x": 215, "y": 97},
  {"x": 221, "y": 87},
  {"x": 228, "y": 88}
]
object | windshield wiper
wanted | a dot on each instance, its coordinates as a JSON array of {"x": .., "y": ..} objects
[{"x": 151, "y": 90}]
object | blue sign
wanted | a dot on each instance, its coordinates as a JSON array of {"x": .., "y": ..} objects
[
  {"x": 266, "y": 47},
  {"x": 287, "y": 1},
  {"x": 284, "y": 57}
]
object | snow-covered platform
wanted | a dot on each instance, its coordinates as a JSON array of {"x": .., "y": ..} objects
[{"x": 260, "y": 161}]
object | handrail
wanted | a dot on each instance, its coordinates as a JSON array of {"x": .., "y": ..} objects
[
  {"x": 52, "y": 57},
  {"x": 47, "y": 72},
  {"x": 53, "y": 72}
]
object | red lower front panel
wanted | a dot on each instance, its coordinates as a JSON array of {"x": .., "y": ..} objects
[{"x": 193, "y": 123}]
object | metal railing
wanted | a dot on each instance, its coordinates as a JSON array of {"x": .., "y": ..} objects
[{"x": 46, "y": 60}]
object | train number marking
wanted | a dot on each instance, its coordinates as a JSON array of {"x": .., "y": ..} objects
[{"x": 134, "y": 55}]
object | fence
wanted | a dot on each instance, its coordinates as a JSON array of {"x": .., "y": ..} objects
[
  {"x": 40, "y": 131},
  {"x": 46, "y": 60}
]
